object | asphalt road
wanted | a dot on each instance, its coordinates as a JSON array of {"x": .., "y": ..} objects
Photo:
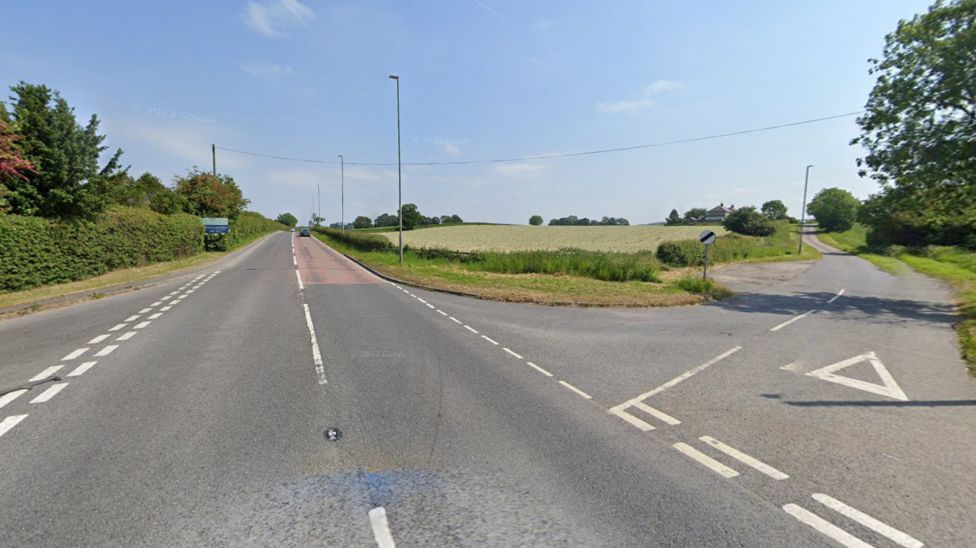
[{"x": 195, "y": 413}]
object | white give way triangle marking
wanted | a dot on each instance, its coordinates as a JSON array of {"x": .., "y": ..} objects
[{"x": 889, "y": 389}]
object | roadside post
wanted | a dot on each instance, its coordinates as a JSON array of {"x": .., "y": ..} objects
[
  {"x": 214, "y": 225},
  {"x": 707, "y": 238}
]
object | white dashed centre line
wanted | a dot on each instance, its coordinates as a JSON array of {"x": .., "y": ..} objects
[
  {"x": 81, "y": 369},
  {"x": 539, "y": 369},
  {"x": 430, "y": 306},
  {"x": 74, "y": 354},
  {"x": 791, "y": 320},
  {"x": 469, "y": 328},
  {"x": 118, "y": 326},
  {"x": 298, "y": 275},
  {"x": 157, "y": 303},
  {"x": 11, "y": 396},
  {"x": 825, "y": 527},
  {"x": 577, "y": 390},
  {"x": 709, "y": 462},
  {"x": 294, "y": 260},
  {"x": 895, "y": 535},
  {"x": 144, "y": 310},
  {"x": 835, "y": 297},
  {"x": 421, "y": 300},
  {"x": 106, "y": 351},
  {"x": 140, "y": 325},
  {"x": 154, "y": 316},
  {"x": 99, "y": 339},
  {"x": 46, "y": 373},
  {"x": 441, "y": 312},
  {"x": 512, "y": 353},
  {"x": 316, "y": 354},
  {"x": 132, "y": 318},
  {"x": 165, "y": 309},
  {"x": 166, "y": 298},
  {"x": 49, "y": 393},
  {"x": 10, "y": 422},
  {"x": 455, "y": 320},
  {"x": 489, "y": 340},
  {"x": 126, "y": 336},
  {"x": 744, "y": 458},
  {"x": 381, "y": 528}
]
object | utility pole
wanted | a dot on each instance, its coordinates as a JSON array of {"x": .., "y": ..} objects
[
  {"x": 803, "y": 211},
  {"x": 213, "y": 155},
  {"x": 399, "y": 168},
  {"x": 342, "y": 186}
]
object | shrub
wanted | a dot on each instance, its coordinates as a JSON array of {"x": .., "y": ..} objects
[
  {"x": 606, "y": 266},
  {"x": 748, "y": 221},
  {"x": 700, "y": 286},
  {"x": 362, "y": 241},
  {"x": 680, "y": 252},
  {"x": 36, "y": 251},
  {"x": 835, "y": 209}
]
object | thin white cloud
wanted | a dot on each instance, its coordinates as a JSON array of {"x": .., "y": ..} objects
[
  {"x": 523, "y": 170},
  {"x": 266, "y": 70},
  {"x": 449, "y": 148},
  {"x": 628, "y": 105},
  {"x": 493, "y": 12},
  {"x": 643, "y": 101},
  {"x": 190, "y": 143},
  {"x": 272, "y": 19}
]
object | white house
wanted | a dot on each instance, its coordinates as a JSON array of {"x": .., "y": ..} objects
[{"x": 718, "y": 213}]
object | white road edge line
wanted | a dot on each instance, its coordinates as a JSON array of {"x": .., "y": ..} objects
[
  {"x": 455, "y": 320},
  {"x": 744, "y": 458},
  {"x": 441, "y": 312},
  {"x": 316, "y": 354},
  {"x": 99, "y": 339},
  {"x": 884, "y": 529},
  {"x": 835, "y": 297},
  {"x": 577, "y": 390},
  {"x": 11, "y": 396},
  {"x": 294, "y": 260},
  {"x": 469, "y": 328},
  {"x": 81, "y": 369},
  {"x": 791, "y": 320},
  {"x": 809, "y": 518},
  {"x": 421, "y": 300},
  {"x": 430, "y": 306},
  {"x": 46, "y": 373},
  {"x": 519, "y": 356},
  {"x": 49, "y": 393},
  {"x": 74, "y": 354},
  {"x": 106, "y": 351},
  {"x": 381, "y": 528},
  {"x": 539, "y": 369},
  {"x": 10, "y": 422},
  {"x": 298, "y": 275},
  {"x": 702, "y": 458},
  {"x": 489, "y": 340}
]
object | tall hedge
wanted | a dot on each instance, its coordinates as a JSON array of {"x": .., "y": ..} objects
[
  {"x": 246, "y": 227},
  {"x": 36, "y": 251}
]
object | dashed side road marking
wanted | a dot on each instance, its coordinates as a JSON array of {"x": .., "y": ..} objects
[
  {"x": 512, "y": 353},
  {"x": 11, "y": 396},
  {"x": 81, "y": 369},
  {"x": 99, "y": 339},
  {"x": 49, "y": 393},
  {"x": 744, "y": 458},
  {"x": 155, "y": 316},
  {"x": 157, "y": 303},
  {"x": 577, "y": 390},
  {"x": 141, "y": 325},
  {"x": 106, "y": 351},
  {"x": 144, "y": 310},
  {"x": 703, "y": 459},
  {"x": 489, "y": 340},
  {"x": 132, "y": 318},
  {"x": 835, "y": 297},
  {"x": 471, "y": 329},
  {"x": 126, "y": 336},
  {"x": 539, "y": 369},
  {"x": 10, "y": 422},
  {"x": 298, "y": 275},
  {"x": 791, "y": 320},
  {"x": 453, "y": 319},
  {"x": 657, "y": 414},
  {"x": 46, "y": 373},
  {"x": 166, "y": 308},
  {"x": 441, "y": 312},
  {"x": 74, "y": 354},
  {"x": 166, "y": 298},
  {"x": 118, "y": 326},
  {"x": 381, "y": 528},
  {"x": 836, "y": 533},
  {"x": 902, "y": 539}
]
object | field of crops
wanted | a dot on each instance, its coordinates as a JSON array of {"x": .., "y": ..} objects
[{"x": 529, "y": 238}]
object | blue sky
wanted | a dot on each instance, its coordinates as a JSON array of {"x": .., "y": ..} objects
[{"x": 479, "y": 80}]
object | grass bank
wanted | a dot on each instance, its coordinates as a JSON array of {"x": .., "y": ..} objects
[{"x": 952, "y": 264}]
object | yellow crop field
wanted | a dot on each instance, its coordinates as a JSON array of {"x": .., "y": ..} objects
[{"x": 529, "y": 238}]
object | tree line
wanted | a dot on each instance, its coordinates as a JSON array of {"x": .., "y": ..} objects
[
  {"x": 50, "y": 167},
  {"x": 573, "y": 220}
]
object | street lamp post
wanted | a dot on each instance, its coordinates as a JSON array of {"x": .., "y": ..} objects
[
  {"x": 399, "y": 168},
  {"x": 342, "y": 186},
  {"x": 803, "y": 210}
]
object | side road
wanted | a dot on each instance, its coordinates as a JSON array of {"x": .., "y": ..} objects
[{"x": 70, "y": 296}]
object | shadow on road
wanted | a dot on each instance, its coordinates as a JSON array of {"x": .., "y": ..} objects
[
  {"x": 920, "y": 403},
  {"x": 875, "y": 309}
]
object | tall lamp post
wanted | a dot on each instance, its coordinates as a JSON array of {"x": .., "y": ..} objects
[
  {"x": 399, "y": 168},
  {"x": 342, "y": 186},
  {"x": 803, "y": 210}
]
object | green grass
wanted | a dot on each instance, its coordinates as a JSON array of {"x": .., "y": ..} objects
[{"x": 952, "y": 264}]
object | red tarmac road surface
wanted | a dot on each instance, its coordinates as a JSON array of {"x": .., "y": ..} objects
[{"x": 319, "y": 264}]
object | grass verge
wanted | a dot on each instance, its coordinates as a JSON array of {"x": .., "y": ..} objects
[{"x": 952, "y": 264}]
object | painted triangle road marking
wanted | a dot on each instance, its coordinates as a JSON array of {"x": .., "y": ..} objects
[{"x": 889, "y": 388}]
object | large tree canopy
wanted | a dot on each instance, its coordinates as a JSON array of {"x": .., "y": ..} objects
[
  {"x": 207, "y": 195},
  {"x": 64, "y": 155},
  {"x": 919, "y": 125}
]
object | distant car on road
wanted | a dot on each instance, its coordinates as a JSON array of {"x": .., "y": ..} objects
[{"x": 305, "y": 232}]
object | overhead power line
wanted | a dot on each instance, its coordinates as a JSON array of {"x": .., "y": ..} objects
[{"x": 554, "y": 156}]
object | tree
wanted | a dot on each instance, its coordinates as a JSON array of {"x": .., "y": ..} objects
[
  {"x": 207, "y": 195},
  {"x": 411, "y": 216},
  {"x": 362, "y": 222},
  {"x": 835, "y": 209},
  {"x": 535, "y": 220},
  {"x": 287, "y": 219},
  {"x": 64, "y": 155},
  {"x": 673, "y": 218},
  {"x": 386, "y": 219},
  {"x": 748, "y": 221},
  {"x": 12, "y": 164},
  {"x": 456, "y": 219},
  {"x": 919, "y": 128},
  {"x": 695, "y": 215},
  {"x": 774, "y": 210}
]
